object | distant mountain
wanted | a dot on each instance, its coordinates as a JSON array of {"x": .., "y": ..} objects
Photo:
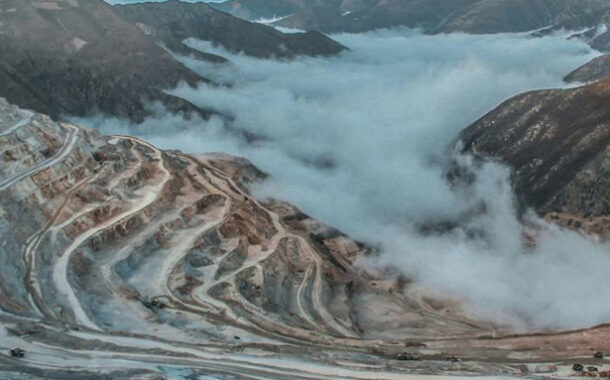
[
  {"x": 498, "y": 16},
  {"x": 433, "y": 16},
  {"x": 173, "y": 21},
  {"x": 76, "y": 56},
  {"x": 589, "y": 19},
  {"x": 71, "y": 57},
  {"x": 268, "y": 9},
  {"x": 558, "y": 143},
  {"x": 347, "y": 16}
]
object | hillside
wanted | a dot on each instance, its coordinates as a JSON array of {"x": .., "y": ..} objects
[
  {"x": 172, "y": 22},
  {"x": 433, "y": 16},
  {"x": 75, "y": 57},
  {"x": 558, "y": 144}
]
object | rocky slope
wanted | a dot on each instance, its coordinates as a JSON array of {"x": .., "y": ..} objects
[
  {"x": 596, "y": 69},
  {"x": 119, "y": 260},
  {"x": 558, "y": 143},
  {"x": 78, "y": 56},
  {"x": 172, "y": 22},
  {"x": 74, "y": 56}
]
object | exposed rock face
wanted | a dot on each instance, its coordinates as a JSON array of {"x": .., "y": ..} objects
[
  {"x": 141, "y": 259},
  {"x": 558, "y": 143},
  {"x": 173, "y": 21}
]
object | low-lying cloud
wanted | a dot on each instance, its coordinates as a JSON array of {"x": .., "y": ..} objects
[{"x": 362, "y": 142}]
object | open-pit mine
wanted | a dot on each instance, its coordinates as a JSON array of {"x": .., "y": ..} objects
[{"x": 120, "y": 260}]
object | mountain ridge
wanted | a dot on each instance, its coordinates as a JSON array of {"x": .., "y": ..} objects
[
  {"x": 433, "y": 17},
  {"x": 75, "y": 57},
  {"x": 173, "y": 21},
  {"x": 557, "y": 143}
]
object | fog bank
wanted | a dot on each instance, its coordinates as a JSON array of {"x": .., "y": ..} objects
[{"x": 362, "y": 142}]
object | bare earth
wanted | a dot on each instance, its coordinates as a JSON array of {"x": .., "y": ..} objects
[{"x": 119, "y": 260}]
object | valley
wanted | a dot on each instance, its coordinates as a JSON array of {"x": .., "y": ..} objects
[
  {"x": 146, "y": 262},
  {"x": 188, "y": 195}
]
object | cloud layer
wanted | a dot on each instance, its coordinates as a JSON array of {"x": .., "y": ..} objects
[{"x": 361, "y": 142}]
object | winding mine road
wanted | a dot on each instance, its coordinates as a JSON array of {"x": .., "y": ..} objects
[
  {"x": 31, "y": 280},
  {"x": 60, "y": 273},
  {"x": 64, "y": 152},
  {"x": 134, "y": 353},
  {"x": 29, "y": 117}
]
